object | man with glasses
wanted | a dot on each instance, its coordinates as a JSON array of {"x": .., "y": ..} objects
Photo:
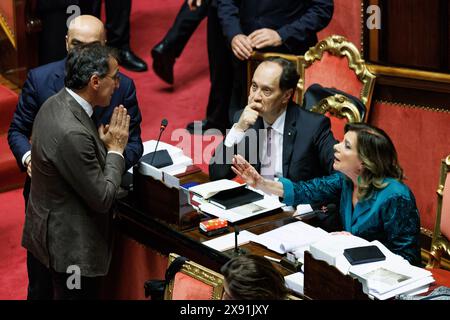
[
  {"x": 77, "y": 170},
  {"x": 42, "y": 83}
]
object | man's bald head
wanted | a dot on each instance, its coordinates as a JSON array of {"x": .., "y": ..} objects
[{"x": 85, "y": 29}]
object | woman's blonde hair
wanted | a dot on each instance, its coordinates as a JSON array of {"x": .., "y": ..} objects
[{"x": 378, "y": 156}]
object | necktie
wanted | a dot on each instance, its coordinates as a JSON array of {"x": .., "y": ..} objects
[{"x": 268, "y": 166}]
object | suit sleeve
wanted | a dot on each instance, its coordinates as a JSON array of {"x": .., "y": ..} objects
[
  {"x": 134, "y": 149},
  {"x": 228, "y": 12},
  {"x": 220, "y": 164},
  {"x": 324, "y": 142},
  {"x": 19, "y": 132},
  {"x": 76, "y": 160},
  {"x": 316, "y": 17}
]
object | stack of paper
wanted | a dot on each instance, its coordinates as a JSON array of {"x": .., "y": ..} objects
[
  {"x": 227, "y": 241},
  {"x": 331, "y": 249},
  {"x": 382, "y": 279},
  {"x": 294, "y": 237},
  {"x": 295, "y": 282},
  {"x": 391, "y": 279},
  {"x": 209, "y": 189}
]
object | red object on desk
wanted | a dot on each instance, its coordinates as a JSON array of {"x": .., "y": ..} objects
[{"x": 213, "y": 224}]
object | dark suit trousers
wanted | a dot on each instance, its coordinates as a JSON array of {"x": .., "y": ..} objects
[
  {"x": 185, "y": 24},
  {"x": 89, "y": 287},
  {"x": 220, "y": 72},
  {"x": 40, "y": 285},
  {"x": 117, "y": 21},
  {"x": 219, "y": 56},
  {"x": 52, "y": 38}
]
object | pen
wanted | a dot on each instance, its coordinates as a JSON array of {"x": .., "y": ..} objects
[{"x": 272, "y": 259}]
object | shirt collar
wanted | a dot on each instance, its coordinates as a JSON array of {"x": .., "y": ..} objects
[
  {"x": 278, "y": 125},
  {"x": 84, "y": 104}
]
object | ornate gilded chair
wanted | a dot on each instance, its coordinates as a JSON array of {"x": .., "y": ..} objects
[
  {"x": 341, "y": 108},
  {"x": 441, "y": 234},
  {"x": 440, "y": 243},
  {"x": 194, "y": 282},
  {"x": 258, "y": 57},
  {"x": 335, "y": 71},
  {"x": 336, "y": 63}
]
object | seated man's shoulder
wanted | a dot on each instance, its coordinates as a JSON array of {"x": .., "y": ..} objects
[
  {"x": 125, "y": 81},
  {"x": 310, "y": 115},
  {"x": 48, "y": 69}
]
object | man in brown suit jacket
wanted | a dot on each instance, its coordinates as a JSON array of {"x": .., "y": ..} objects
[{"x": 77, "y": 171}]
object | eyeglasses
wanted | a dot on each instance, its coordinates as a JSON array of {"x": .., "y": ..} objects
[{"x": 115, "y": 77}]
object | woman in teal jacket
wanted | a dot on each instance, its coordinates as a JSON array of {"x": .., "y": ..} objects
[{"x": 374, "y": 203}]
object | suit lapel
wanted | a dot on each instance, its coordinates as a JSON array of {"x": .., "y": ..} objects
[
  {"x": 84, "y": 119},
  {"x": 290, "y": 132}
]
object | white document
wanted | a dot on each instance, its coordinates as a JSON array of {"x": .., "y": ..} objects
[
  {"x": 386, "y": 279},
  {"x": 295, "y": 282},
  {"x": 242, "y": 212},
  {"x": 331, "y": 249},
  {"x": 290, "y": 237},
  {"x": 208, "y": 189},
  {"x": 227, "y": 241},
  {"x": 302, "y": 209}
]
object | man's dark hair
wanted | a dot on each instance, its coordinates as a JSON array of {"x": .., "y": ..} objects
[
  {"x": 85, "y": 60},
  {"x": 289, "y": 76}
]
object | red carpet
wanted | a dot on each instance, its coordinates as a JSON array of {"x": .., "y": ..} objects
[{"x": 184, "y": 102}]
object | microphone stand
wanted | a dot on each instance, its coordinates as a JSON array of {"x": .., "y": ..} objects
[
  {"x": 157, "y": 142},
  {"x": 286, "y": 262}
]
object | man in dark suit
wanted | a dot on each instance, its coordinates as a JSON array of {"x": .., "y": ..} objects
[
  {"x": 54, "y": 15},
  {"x": 44, "y": 82},
  {"x": 274, "y": 134},
  {"x": 165, "y": 53},
  {"x": 117, "y": 25},
  {"x": 288, "y": 26},
  {"x": 77, "y": 171}
]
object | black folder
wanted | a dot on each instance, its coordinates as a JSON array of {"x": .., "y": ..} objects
[
  {"x": 365, "y": 254},
  {"x": 235, "y": 197}
]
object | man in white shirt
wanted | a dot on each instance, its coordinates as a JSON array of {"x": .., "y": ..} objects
[
  {"x": 77, "y": 170},
  {"x": 273, "y": 133}
]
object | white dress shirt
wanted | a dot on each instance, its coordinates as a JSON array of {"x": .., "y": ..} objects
[{"x": 272, "y": 167}]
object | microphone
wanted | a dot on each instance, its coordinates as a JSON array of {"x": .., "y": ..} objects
[
  {"x": 328, "y": 209},
  {"x": 162, "y": 127},
  {"x": 160, "y": 158}
]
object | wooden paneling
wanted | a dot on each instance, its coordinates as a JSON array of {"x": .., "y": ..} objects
[
  {"x": 414, "y": 34},
  {"x": 15, "y": 61},
  {"x": 411, "y": 34}
]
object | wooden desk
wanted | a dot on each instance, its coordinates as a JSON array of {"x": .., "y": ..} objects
[
  {"x": 165, "y": 238},
  {"x": 143, "y": 226}
]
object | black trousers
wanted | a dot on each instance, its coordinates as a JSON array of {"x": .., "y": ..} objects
[
  {"x": 117, "y": 21},
  {"x": 184, "y": 25},
  {"x": 40, "y": 286},
  {"x": 219, "y": 57},
  {"x": 54, "y": 16},
  {"x": 89, "y": 288},
  {"x": 46, "y": 284}
]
